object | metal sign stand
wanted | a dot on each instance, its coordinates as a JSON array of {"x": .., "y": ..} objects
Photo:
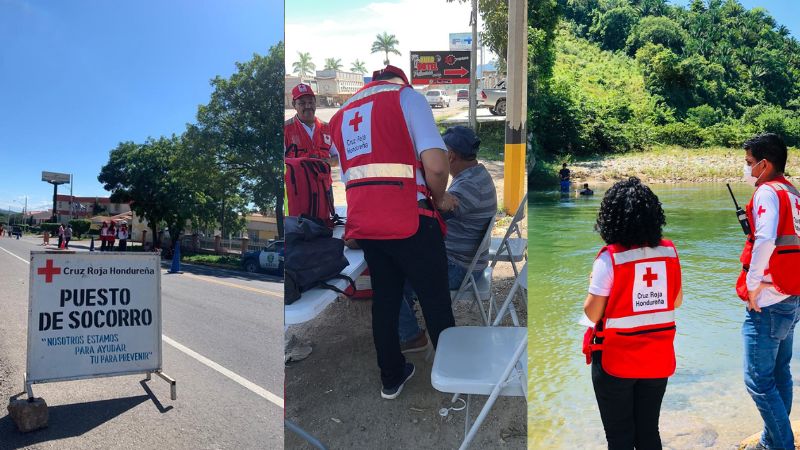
[{"x": 173, "y": 393}]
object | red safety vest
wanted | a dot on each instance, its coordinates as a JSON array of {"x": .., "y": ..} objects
[
  {"x": 785, "y": 259},
  {"x": 638, "y": 325},
  {"x": 297, "y": 143},
  {"x": 379, "y": 165}
]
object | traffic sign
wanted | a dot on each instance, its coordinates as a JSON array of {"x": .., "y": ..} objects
[
  {"x": 440, "y": 67},
  {"x": 93, "y": 315}
]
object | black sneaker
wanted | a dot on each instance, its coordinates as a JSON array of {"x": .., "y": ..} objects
[{"x": 392, "y": 393}]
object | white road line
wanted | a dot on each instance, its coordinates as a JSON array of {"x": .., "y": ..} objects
[
  {"x": 15, "y": 256},
  {"x": 256, "y": 389}
]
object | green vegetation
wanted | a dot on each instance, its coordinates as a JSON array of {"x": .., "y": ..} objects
[
  {"x": 622, "y": 75},
  {"x": 224, "y": 261},
  {"x": 80, "y": 227}
]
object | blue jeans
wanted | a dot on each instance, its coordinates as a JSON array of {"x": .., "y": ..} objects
[
  {"x": 409, "y": 327},
  {"x": 768, "y": 337}
]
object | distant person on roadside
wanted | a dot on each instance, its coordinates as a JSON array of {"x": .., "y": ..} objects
[
  {"x": 67, "y": 236},
  {"x": 45, "y": 238},
  {"x": 60, "y": 235},
  {"x": 466, "y": 225},
  {"x": 586, "y": 190},
  {"x": 386, "y": 130},
  {"x": 770, "y": 284},
  {"x": 112, "y": 236},
  {"x": 634, "y": 289},
  {"x": 104, "y": 236},
  {"x": 122, "y": 234},
  {"x": 564, "y": 175}
]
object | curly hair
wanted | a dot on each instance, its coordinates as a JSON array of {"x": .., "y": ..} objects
[{"x": 630, "y": 215}]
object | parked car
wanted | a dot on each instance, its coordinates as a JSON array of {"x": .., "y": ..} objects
[
  {"x": 494, "y": 99},
  {"x": 437, "y": 98},
  {"x": 269, "y": 258},
  {"x": 462, "y": 94}
]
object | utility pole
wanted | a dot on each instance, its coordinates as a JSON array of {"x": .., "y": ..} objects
[
  {"x": 473, "y": 69},
  {"x": 517, "y": 98}
]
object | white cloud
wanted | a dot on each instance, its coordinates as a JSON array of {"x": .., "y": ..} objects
[{"x": 348, "y": 34}]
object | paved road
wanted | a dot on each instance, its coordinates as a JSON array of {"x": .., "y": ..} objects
[{"x": 223, "y": 342}]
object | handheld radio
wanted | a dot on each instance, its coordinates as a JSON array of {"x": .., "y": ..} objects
[{"x": 740, "y": 214}]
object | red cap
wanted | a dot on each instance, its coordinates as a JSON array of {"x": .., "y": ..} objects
[
  {"x": 393, "y": 70},
  {"x": 301, "y": 90}
]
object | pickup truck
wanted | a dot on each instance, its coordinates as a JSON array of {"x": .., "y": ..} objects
[
  {"x": 494, "y": 99},
  {"x": 269, "y": 258}
]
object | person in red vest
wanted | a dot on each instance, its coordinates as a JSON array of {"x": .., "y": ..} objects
[
  {"x": 770, "y": 284},
  {"x": 395, "y": 169},
  {"x": 305, "y": 136},
  {"x": 633, "y": 292}
]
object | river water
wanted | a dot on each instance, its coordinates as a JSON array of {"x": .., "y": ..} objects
[{"x": 706, "y": 404}]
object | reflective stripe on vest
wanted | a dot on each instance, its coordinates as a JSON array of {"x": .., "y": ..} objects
[
  {"x": 638, "y": 254},
  {"x": 641, "y": 320},
  {"x": 371, "y": 91},
  {"x": 785, "y": 187},
  {"x": 379, "y": 170},
  {"x": 787, "y": 240}
]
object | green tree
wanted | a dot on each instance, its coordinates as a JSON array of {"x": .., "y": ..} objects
[
  {"x": 656, "y": 30},
  {"x": 333, "y": 64},
  {"x": 358, "y": 67},
  {"x": 303, "y": 67},
  {"x": 243, "y": 123},
  {"x": 611, "y": 28},
  {"x": 80, "y": 226},
  {"x": 385, "y": 43}
]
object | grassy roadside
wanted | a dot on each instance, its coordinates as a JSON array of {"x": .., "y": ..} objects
[
  {"x": 663, "y": 164},
  {"x": 221, "y": 261}
]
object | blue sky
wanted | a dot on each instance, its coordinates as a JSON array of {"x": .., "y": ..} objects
[
  {"x": 785, "y": 12},
  {"x": 77, "y": 77}
]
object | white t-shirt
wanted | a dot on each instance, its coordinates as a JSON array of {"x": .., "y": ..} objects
[
  {"x": 421, "y": 127},
  {"x": 766, "y": 201},
  {"x": 309, "y": 129},
  {"x": 602, "y": 277}
]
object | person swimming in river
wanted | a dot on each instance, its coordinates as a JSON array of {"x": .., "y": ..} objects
[
  {"x": 586, "y": 190},
  {"x": 634, "y": 289}
]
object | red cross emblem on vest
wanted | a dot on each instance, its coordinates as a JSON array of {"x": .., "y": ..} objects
[
  {"x": 357, "y": 119},
  {"x": 48, "y": 271},
  {"x": 649, "y": 277},
  {"x": 761, "y": 210}
]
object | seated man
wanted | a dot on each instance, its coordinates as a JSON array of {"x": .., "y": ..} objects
[
  {"x": 586, "y": 190},
  {"x": 472, "y": 185}
]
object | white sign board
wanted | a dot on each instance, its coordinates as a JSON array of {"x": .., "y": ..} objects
[
  {"x": 55, "y": 177},
  {"x": 460, "y": 41},
  {"x": 93, "y": 315}
]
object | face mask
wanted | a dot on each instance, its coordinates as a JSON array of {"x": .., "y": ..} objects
[{"x": 748, "y": 174}]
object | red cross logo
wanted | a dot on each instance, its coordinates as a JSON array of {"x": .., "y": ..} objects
[
  {"x": 797, "y": 205},
  {"x": 761, "y": 210},
  {"x": 649, "y": 277},
  {"x": 357, "y": 119},
  {"x": 48, "y": 271}
]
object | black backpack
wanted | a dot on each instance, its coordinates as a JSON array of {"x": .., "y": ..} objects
[{"x": 312, "y": 257}]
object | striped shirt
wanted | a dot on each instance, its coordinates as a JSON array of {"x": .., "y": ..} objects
[{"x": 477, "y": 205}]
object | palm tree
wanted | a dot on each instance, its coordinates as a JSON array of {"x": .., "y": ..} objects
[
  {"x": 385, "y": 43},
  {"x": 358, "y": 67},
  {"x": 333, "y": 64},
  {"x": 304, "y": 66}
]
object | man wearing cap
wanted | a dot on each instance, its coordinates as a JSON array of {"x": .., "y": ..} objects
[
  {"x": 472, "y": 185},
  {"x": 395, "y": 169},
  {"x": 304, "y": 135}
]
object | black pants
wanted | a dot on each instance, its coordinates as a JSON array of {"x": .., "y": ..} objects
[
  {"x": 629, "y": 408},
  {"x": 421, "y": 259}
]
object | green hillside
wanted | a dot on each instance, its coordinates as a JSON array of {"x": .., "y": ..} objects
[{"x": 629, "y": 75}]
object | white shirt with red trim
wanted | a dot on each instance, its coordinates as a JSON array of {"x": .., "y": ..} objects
[
  {"x": 765, "y": 214},
  {"x": 602, "y": 278}
]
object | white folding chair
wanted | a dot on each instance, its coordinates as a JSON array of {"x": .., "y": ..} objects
[
  {"x": 480, "y": 361},
  {"x": 511, "y": 249},
  {"x": 520, "y": 287},
  {"x": 478, "y": 289}
]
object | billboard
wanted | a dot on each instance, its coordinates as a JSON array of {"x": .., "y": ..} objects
[
  {"x": 461, "y": 41},
  {"x": 55, "y": 177},
  {"x": 93, "y": 315},
  {"x": 440, "y": 67}
]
